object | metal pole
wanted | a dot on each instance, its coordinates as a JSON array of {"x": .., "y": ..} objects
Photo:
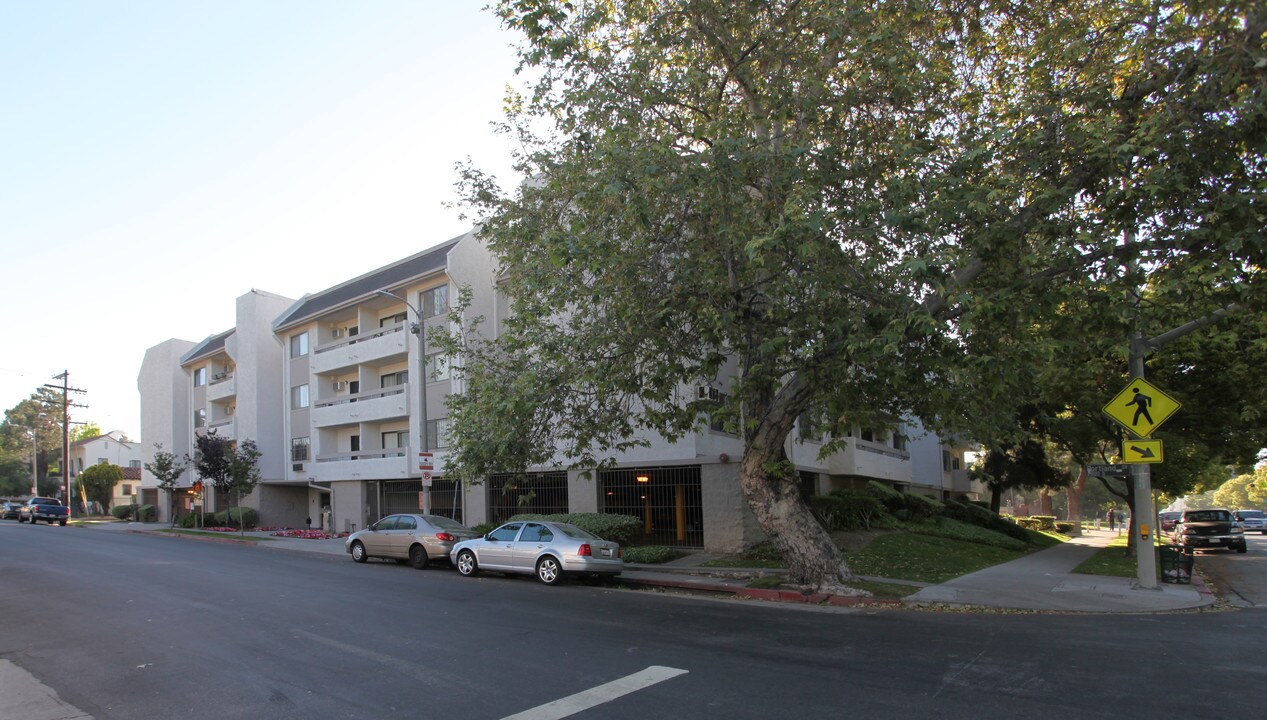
[
  {"x": 421, "y": 330},
  {"x": 1143, "y": 512},
  {"x": 35, "y": 473}
]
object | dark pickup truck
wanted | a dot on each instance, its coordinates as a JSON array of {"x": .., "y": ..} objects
[{"x": 50, "y": 510}]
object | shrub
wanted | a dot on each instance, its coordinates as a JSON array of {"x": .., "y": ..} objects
[
  {"x": 976, "y": 514},
  {"x": 193, "y": 521},
  {"x": 956, "y": 530},
  {"x": 617, "y": 528},
  {"x": 1065, "y": 528},
  {"x": 122, "y": 512},
  {"x": 844, "y": 510},
  {"x": 147, "y": 513},
  {"x": 1045, "y": 523},
  {"x": 904, "y": 506},
  {"x": 235, "y": 517},
  {"x": 485, "y": 528},
  {"x": 650, "y": 555}
]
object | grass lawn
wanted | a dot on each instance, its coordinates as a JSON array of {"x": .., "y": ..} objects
[
  {"x": 925, "y": 558},
  {"x": 1112, "y": 561}
]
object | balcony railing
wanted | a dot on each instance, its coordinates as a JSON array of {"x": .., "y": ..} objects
[{"x": 383, "y": 343}]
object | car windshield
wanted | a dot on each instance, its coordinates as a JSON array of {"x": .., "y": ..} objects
[
  {"x": 1207, "y": 516},
  {"x": 1256, "y": 514}
]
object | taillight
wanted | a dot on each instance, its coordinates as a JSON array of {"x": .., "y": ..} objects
[
  {"x": 618, "y": 552},
  {"x": 445, "y": 537},
  {"x": 584, "y": 550}
]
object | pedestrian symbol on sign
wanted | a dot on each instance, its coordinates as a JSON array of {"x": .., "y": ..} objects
[{"x": 1141, "y": 402}]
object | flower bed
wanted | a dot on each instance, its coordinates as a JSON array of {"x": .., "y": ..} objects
[{"x": 308, "y": 534}]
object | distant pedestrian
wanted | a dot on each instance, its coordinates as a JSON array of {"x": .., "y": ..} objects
[{"x": 1112, "y": 519}]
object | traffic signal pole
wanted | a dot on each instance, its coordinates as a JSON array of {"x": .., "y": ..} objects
[{"x": 1143, "y": 514}]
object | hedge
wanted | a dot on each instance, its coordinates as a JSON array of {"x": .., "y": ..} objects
[
  {"x": 147, "y": 513},
  {"x": 233, "y": 517},
  {"x": 193, "y": 521},
  {"x": 844, "y": 510},
  {"x": 904, "y": 506},
  {"x": 617, "y": 528},
  {"x": 122, "y": 512}
]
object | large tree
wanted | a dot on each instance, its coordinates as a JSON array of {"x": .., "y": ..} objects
[
  {"x": 854, "y": 209},
  {"x": 230, "y": 467},
  {"x": 97, "y": 482}
]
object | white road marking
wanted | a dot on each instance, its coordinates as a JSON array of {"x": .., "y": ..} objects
[{"x": 597, "y": 696}]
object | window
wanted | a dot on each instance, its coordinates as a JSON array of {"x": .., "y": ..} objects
[
  {"x": 899, "y": 440},
  {"x": 393, "y": 379},
  {"x": 200, "y": 377},
  {"x": 103, "y": 461},
  {"x": 505, "y": 533},
  {"x": 200, "y": 418},
  {"x": 299, "y": 397},
  {"x": 437, "y": 368},
  {"x": 395, "y": 439},
  {"x": 867, "y": 434},
  {"x": 945, "y": 461},
  {"x": 355, "y": 443},
  {"x": 299, "y": 449},
  {"x": 127, "y": 489},
  {"x": 298, "y": 345},
  {"x": 438, "y": 433},
  {"x": 536, "y": 533},
  {"x": 134, "y": 463},
  {"x": 392, "y": 319},
  {"x": 435, "y": 301},
  {"x": 406, "y": 522}
]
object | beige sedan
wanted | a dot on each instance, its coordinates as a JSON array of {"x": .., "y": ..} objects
[{"x": 417, "y": 539}]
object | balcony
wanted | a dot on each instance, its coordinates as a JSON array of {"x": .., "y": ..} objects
[
  {"x": 375, "y": 406},
  {"x": 222, "y": 386},
  {"x": 390, "y": 464},
  {"x": 872, "y": 460},
  {"x": 226, "y": 428},
  {"x": 385, "y": 345}
]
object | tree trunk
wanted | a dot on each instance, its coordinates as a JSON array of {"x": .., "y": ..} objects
[
  {"x": 812, "y": 556},
  {"x": 996, "y": 499},
  {"x": 1074, "y": 494}
]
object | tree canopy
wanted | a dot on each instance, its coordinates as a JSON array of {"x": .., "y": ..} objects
[
  {"x": 98, "y": 482},
  {"x": 858, "y": 209}
]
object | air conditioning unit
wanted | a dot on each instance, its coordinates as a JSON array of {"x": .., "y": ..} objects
[
  {"x": 340, "y": 385},
  {"x": 297, "y": 467},
  {"x": 703, "y": 392}
]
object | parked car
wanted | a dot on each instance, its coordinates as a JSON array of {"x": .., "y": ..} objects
[
  {"x": 50, "y": 510},
  {"x": 1252, "y": 520},
  {"x": 545, "y": 549},
  {"x": 9, "y": 510},
  {"x": 1212, "y": 527},
  {"x": 1168, "y": 520},
  {"x": 418, "y": 539}
]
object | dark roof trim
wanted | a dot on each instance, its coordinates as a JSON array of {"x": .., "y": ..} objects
[
  {"x": 399, "y": 273},
  {"x": 206, "y": 348}
]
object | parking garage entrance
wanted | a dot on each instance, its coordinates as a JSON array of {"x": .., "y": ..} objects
[
  {"x": 668, "y": 500},
  {"x": 405, "y": 496}
]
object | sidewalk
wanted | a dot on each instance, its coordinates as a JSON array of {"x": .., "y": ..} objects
[{"x": 1040, "y": 581}]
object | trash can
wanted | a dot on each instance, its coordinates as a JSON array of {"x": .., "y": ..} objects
[{"x": 1176, "y": 564}]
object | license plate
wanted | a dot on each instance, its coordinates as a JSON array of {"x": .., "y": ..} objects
[{"x": 607, "y": 552}]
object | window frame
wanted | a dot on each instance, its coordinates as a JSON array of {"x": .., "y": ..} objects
[
  {"x": 299, "y": 345},
  {"x": 300, "y": 399}
]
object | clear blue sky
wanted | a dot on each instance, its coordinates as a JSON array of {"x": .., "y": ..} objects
[{"x": 159, "y": 159}]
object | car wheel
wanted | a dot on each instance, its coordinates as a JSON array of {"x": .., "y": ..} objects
[
  {"x": 62, "y": 523},
  {"x": 20, "y": 520},
  {"x": 1242, "y": 548},
  {"x": 358, "y": 552},
  {"x": 549, "y": 571},
  {"x": 467, "y": 564},
  {"x": 418, "y": 556}
]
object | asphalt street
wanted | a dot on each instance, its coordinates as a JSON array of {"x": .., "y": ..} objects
[{"x": 135, "y": 626}]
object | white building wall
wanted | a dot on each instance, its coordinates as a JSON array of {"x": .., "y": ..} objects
[{"x": 165, "y": 413}]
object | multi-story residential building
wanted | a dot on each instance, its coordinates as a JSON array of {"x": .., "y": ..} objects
[
  {"x": 228, "y": 384},
  {"x": 358, "y": 396}
]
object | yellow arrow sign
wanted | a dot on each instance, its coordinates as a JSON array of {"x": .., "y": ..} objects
[
  {"x": 1141, "y": 407},
  {"x": 1142, "y": 451}
]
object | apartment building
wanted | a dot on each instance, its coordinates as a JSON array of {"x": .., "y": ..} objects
[
  {"x": 228, "y": 384},
  {"x": 357, "y": 396}
]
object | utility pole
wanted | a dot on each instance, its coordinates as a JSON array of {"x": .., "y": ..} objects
[{"x": 66, "y": 406}]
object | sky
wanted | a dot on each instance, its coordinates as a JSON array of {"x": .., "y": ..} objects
[{"x": 159, "y": 159}]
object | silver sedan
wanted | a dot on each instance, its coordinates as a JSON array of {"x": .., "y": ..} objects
[
  {"x": 417, "y": 539},
  {"x": 545, "y": 549}
]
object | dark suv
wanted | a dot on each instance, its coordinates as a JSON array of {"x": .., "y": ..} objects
[{"x": 1209, "y": 528}]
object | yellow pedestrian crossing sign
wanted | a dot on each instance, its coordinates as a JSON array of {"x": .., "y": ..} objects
[
  {"x": 1142, "y": 451},
  {"x": 1141, "y": 407}
]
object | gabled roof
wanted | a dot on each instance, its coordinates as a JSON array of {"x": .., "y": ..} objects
[
  {"x": 348, "y": 293},
  {"x": 131, "y": 473},
  {"x": 206, "y": 348}
]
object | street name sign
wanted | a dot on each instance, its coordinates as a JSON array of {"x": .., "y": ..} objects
[
  {"x": 1142, "y": 451},
  {"x": 1108, "y": 470},
  {"x": 1141, "y": 407}
]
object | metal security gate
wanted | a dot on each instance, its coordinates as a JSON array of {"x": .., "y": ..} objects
[
  {"x": 537, "y": 493},
  {"x": 406, "y": 497},
  {"x": 668, "y": 500}
]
